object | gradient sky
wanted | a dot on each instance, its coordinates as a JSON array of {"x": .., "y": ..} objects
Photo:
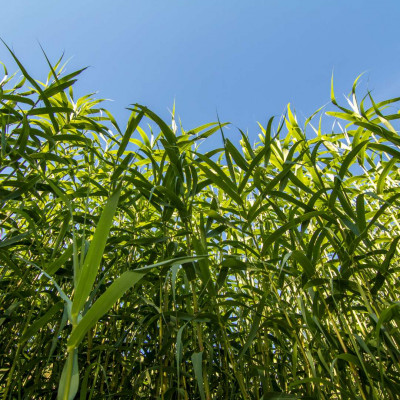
[{"x": 243, "y": 59}]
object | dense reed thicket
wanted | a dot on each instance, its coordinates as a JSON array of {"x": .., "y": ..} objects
[{"x": 136, "y": 266}]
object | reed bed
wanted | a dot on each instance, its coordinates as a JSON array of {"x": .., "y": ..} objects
[{"x": 135, "y": 265}]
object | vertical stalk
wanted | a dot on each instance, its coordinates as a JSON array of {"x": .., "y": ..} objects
[{"x": 68, "y": 376}]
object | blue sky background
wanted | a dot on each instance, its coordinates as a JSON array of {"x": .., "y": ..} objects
[{"x": 244, "y": 59}]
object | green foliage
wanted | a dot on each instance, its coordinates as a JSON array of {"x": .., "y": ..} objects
[{"x": 137, "y": 266}]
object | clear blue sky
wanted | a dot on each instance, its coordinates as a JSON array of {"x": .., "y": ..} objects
[{"x": 244, "y": 59}]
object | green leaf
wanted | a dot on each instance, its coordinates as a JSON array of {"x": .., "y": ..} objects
[
  {"x": 47, "y": 317},
  {"x": 65, "y": 391},
  {"x": 361, "y": 222},
  {"x": 49, "y": 111},
  {"x": 219, "y": 178},
  {"x": 49, "y": 108},
  {"x": 179, "y": 349},
  {"x": 102, "y": 305},
  {"x": 254, "y": 327},
  {"x": 291, "y": 224},
  {"x": 53, "y": 267},
  {"x": 14, "y": 239},
  {"x": 88, "y": 271},
  {"x": 16, "y": 99},
  {"x": 52, "y": 157},
  {"x": 387, "y": 314},
  {"x": 381, "y": 180},
  {"x": 234, "y": 152},
  {"x": 350, "y": 358},
  {"x": 197, "y": 361},
  {"x": 132, "y": 125},
  {"x": 304, "y": 261},
  {"x": 70, "y": 138},
  {"x": 165, "y": 129},
  {"x": 56, "y": 88}
]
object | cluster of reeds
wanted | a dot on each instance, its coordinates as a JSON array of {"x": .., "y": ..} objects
[{"x": 134, "y": 265}]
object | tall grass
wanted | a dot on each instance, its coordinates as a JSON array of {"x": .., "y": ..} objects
[{"x": 134, "y": 265}]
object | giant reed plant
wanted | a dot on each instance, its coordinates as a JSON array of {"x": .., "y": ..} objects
[{"x": 134, "y": 265}]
